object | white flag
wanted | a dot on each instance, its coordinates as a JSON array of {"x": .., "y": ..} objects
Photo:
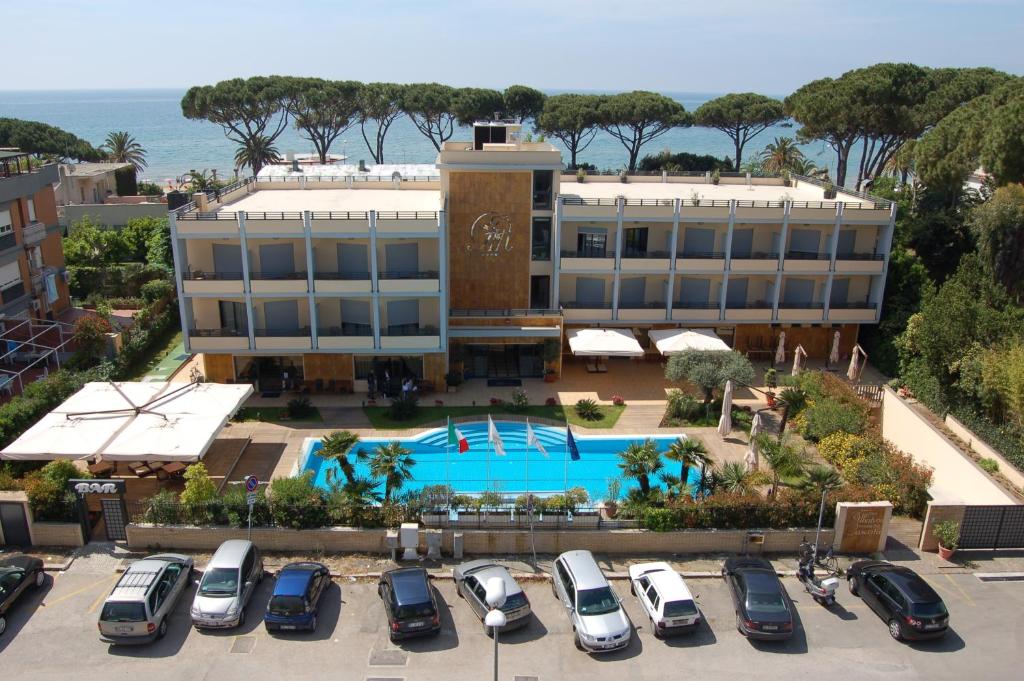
[
  {"x": 533, "y": 441},
  {"x": 494, "y": 438}
]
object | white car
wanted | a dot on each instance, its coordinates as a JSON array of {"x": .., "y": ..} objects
[{"x": 665, "y": 598}]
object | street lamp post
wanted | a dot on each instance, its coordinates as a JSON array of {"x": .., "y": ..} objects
[{"x": 495, "y": 618}]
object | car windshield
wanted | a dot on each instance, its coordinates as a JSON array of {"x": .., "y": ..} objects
[
  {"x": 123, "y": 612},
  {"x": 765, "y": 602},
  {"x": 515, "y": 601},
  {"x": 404, "y": 612},
  {"x": 286, "y": 605},
  {"x": 680, "y": 608},
  {"x": 936, "y": 609},
  {"x": 596, "y": 601},
  {"x": 219, "y": 582}
]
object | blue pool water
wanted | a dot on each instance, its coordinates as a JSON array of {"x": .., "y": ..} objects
[{"x": 480, "y": 470}]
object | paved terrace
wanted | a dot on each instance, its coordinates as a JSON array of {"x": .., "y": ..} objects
[
  {"x": 804, "y": 191},
  {"x": 340, "y": 200}
]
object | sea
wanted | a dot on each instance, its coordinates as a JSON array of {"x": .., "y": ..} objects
[{"x": 176, "y": 145}]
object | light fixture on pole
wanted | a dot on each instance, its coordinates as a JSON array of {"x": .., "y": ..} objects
[{"x": 495, "y": 618}]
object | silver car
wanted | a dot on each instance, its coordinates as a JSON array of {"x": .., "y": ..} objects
[
  {"x": 471, "y": 582},
  {"x": 599, "y": 623},
  {"x": 227, "y": 586},
  {"x": 138, "y": 606}
]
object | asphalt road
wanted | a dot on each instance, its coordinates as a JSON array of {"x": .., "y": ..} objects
[{"x": 52, "y": 635}]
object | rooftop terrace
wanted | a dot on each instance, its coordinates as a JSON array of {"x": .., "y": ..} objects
[
  {"x": 804, "y": 191},
  {"x": 336, "y": 200}
]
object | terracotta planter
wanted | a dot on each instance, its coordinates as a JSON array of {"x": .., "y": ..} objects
[
  {"x": 946, "y": 554},
  {"x": 770, "y": 397},
  {"x": 550, "y": 378},
  {"x": 609, "y": 510}
]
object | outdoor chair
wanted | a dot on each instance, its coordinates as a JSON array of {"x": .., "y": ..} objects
[
  {"x": 102, "y": 469},
  {"x": 140, "y": 469}
]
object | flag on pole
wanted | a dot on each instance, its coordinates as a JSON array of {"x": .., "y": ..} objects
[
  {"x": 456, "y": 438},
  {"x": 494, "y": 438},
  {"x": 533, "y": 441},
  {"x": 570, "y": 443}
]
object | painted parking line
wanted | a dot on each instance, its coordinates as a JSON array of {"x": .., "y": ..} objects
[
  {"x": 99, "y": 599},
  {"x": 61, "y": 599},
  {"x": 959, "y": 588}
]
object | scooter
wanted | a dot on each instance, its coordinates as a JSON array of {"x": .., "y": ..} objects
[{"x": 822, "y": 590}]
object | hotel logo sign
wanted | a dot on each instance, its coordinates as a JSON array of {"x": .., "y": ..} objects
[{"x": 490, "y": 234}]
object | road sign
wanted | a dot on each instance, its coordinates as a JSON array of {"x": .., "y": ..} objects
[
  {"x": 251, "y": 483},
  {"x": 250, "y": 498}
]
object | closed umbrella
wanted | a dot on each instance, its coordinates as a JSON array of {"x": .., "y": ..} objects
[
  {"x": 780, "y": 352},
  {"x": 725, "y": 423},
  {"x": 756, "y": 425},
  {"x": 854, "y": 369},
  {"x": 756, "y": 428},
  {"x": 798, "y": 359},
  {"x": 750, "y": 458},
  {"x": 833, "y": 357}
]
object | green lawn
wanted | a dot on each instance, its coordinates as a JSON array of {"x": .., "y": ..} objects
[
  {"x": 275, "y": 414},
  {"x": 379, "y": 415},
  {"x": 160, "y": 352}
]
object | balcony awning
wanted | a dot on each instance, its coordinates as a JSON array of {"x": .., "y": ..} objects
[
  {"x": 132, "y": 422},
  {"x": 671, "y": 341},
  {"x": 604, "y": 343}
]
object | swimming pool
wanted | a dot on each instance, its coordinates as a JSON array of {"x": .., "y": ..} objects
[{"x": 480, "y": 469}]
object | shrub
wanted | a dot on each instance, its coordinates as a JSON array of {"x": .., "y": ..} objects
[
  {"x": 551, "y": 402},
  {"x": 453, "y": 378},
  {"x": 659, "y": 519},
  {"x": 298, "y": 503},
  {"x": 683, "y": 406},
  {"x": 574, "y": 498},
  {"x": 300, "y": 408},
  {"x": 155, "y": 290},
  {"x": 91, "y": 340},
  {"x": 990, "y": 466},
  {"x": 588, "y": 410},
  {"x": 948, "y": 534},
  {"x": 199, "y": 488},
  {"x": 520, "y": 401},
  {"x": 62, "y": 470},
  {"x": 618, "y": 400},
  {"x": 48, "y": 499},
  {"x": 403, "y": 407},
  {"x": 869, "y": 461},
  {"x": 163, "y": 509},
  {"x": 826, "y": 416},
  {"x": 709, "y": 369}
]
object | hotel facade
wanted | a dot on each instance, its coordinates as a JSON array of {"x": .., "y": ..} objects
[{"x": 483, "y": 263}]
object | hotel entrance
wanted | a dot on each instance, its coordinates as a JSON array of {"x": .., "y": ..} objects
[{"x": 504, "y": 361}]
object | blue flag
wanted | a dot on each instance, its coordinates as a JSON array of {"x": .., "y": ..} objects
[{"x": 570, "y": 443}]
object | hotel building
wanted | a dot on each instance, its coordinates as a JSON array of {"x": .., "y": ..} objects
[{"x": 484, "y": 261}]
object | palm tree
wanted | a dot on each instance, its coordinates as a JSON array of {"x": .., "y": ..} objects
[
  {"x": 640, "y": 461},
  {"x": 688, "y": 452},
  {"x": 121, "y": 147},
  {"x": 786, "y": 459},
  {"x": 734, "y": 478},
  {"x": 336, "y": 447},
  {"x": 257, "y": 152},
  {"x": 781, "y": 154},
  {"x": 674, "y": 488},
  {"x": 392, "y": 462},
  {"x": 199, "y": 180},
  {"x": 820, "y": 479}
]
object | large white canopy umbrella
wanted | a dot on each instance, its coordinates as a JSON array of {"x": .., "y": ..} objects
[
  {"x": 854, "y": 371},
  {"x": 798, "y": 359},
  {"x": 672, "y": 341},
  {"x": 604, "y": 343},
  {"x": 725, "y": 423},
  {"x": 780, "y": 352},
  {"x": 833, "y": 356}
]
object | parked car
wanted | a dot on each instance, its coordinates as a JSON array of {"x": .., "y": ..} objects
[
  {"x": 409, "y": 603},
  {"x": 665, "y": 598},
  {"x": 470, "y": 583},
  {"x": 17, "y": 573},
  {"x": 138, "y": 606},
  {"x": 599, "y": 623},
  {"x": 763, "y": 610},
  {"x": 899, "y": 596},
  {"x": 227, "y": 585},
  {"x": 296, "y": 600}
]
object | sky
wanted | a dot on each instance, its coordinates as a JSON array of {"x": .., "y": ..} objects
[{"x": 768, "y": 46}]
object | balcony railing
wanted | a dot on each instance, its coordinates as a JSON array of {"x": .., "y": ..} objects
[
  {"x": 656, "y": 305},
  {"x": 218, "y": 333},
  {"x": 281, "y": 276},
  {"x": 541, "y": 252},
  {"x": 805, "y": 255},
  {"x": 283, "y": 333},
  {"x": 274, "y": 215},
  {"x": 749, "y": 305},
  {"x": 577, "y": 253},
  {"x": 801, "y": 305},
  {"x": 757, "y": 255},
  {"x": 342, "y": 276},
  {"x": 339, "y": 215},
  {"x": 853, "y": 305},
  {"x": 584, "y": 305},
  {"x": 198, "y": 275},
  {"x": 408, "y": 330},
  {"x": 510, "y": 312},
  {"x": 8, "y": 241},
  {"x": 12, "y": 293},
  {"x": 409, "y": 274},
  {"x": 860, "y": 256},
  {"x": 355, "y": 330},
  {"x": 686, "y": 305},
  {"x": 654, "y": 255},
  {"x": 701, "y": 255}
]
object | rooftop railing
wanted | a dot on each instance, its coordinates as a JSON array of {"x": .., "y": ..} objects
[
  {"x": 345, "y": 178},
  {"x": 339, "y": 215}
]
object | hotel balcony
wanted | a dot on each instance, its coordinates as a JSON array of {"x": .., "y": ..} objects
[
  {"x": 588, "y": 261},
  {"x": 645, "y": 261},
  {"x": 282, "y": 324},
  {"x": 341, "y": 266},
  {"x": 755, "y": 261},
  {"x": 221, "y": 283},
  {"x": 647, "y": 311},
  {"x": 344, "y": 324},
  {"x": 575, "y": 207},
  {"x": 860, "y": 263},
  {"x": 268, "y": 222},
  {"x": 33, "y": 233},
  {"x": 646, "y": 246},
  {"x": 800, "y": 299},
  {"x": 854, "y": 311},
  {"x": 212, "y": 266},
  {"x": 278, "y": 282},
  {"x": 805, "y": 262},
  {"x": 588, "y": 247},
  {"x": 216, "y": 325},
  {"x": 407, "y": 266},
  {"x": 345, "y": 222},
  {"x": 642, "y": 298},
  {"x": 195, "y": 222},
  {"x": 218, "y": 340},
  {"x": 409, "y": 323},
  {"x": 697, "y": 298},
  {"x": 407, "y": 222},
  {"x": 749, "y": 298},
  {"x": 573, "y": 310},
  {"x": 692, "y": 311},
  {"x": 801, "y": 311},
  {"x": 277, "y": 265}
]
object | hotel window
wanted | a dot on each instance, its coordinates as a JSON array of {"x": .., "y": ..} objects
[
  {"x": 634, "y": 242},
  {"x": 591, "y": 242},
  {"x": 541, "y": 239},
  {"x": 31, "y": 210},
  {"x": 7, "y": 239},
  {"x": 543, "y": 181}
]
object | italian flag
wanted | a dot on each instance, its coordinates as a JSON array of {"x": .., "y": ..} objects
[{"x": 457, "y": 439}]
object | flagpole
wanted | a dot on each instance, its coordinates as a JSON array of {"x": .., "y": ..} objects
[
  {"x": 447, "y": 465},
  {"x": 565, "y": 474},
  {"x": 529, "y": 501}
]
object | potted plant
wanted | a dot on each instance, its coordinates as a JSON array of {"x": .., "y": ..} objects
[
  {"x": 948, "y": 534},
  {"x": 453, "y": 379},
  {"x": 716, "y": 177},
  {"x": 581, "y": 175},
  {"x": 550, "y": 376},
  {"x": 771, "y": 381},
  {"x": 623, "y": 177},
  {"x": 830, "y": 191},
  {"x": 549, "y": 353},
  {"x": 787, "y": 179},
  {"x": 609, "y": 508}
]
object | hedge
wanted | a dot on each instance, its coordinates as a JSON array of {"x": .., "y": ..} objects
[
  {"x": 1007, "y": 438},
  {"x": 120, "y": 280}
]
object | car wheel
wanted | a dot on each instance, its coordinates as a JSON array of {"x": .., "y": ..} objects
[
  {"x": 554, "y": 591},
  {"x": 654, "y": 630},
  {"x": 40, "y": 578},
  {"x": 576, "y": 640},
  {"x": 312, "y": 625},
  {"x": 739, "y": 624},
  {"x": 632, "y": 588},
  {"x": 162, "y": 629},
  {"x": 851, "y": 584},
  {"x": 241, "y": 617},
  {"x": 895, "y": 631},
  {"x": 3, "y": 625}
]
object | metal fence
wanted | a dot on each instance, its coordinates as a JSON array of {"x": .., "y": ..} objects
[{"x": 992, "y": 527}]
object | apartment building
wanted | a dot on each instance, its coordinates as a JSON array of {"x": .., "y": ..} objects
[
  {"x": 485, "y": 260},
  {"x": 32, "y": 272}
]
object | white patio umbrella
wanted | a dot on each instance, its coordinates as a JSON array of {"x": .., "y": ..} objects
[
  {"x": 854, "y": 369},
  {"x": 780, "y": 352},
  {"x": 798, "y": 359},
  {"x": 756, "y": 427},
  {"x": 833, "y": 356},
  {"x": 750, "y": 458},
  {"x": 725, "y": 423}
]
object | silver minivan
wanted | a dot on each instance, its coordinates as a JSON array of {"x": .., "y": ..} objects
[
  {"x": 227, "y": 585},
  {"x": 599, "y": 623},
  {"x": 138, "y": 606}
]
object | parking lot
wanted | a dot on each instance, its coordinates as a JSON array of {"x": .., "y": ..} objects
[{"x": 52, "y": 635}]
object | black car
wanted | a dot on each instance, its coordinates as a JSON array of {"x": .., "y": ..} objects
[
  {"x": 17, "y": 573},
  {"x": 409, "y": 603},
  {"x": 763, "y": 610},
  {"x": 900, "y": 597}
]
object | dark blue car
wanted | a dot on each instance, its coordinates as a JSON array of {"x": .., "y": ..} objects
[{"x": 296, "y": 600}]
